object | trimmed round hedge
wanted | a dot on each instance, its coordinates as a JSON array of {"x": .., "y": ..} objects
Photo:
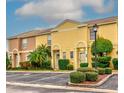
[
  {"x": 91, "y": 76},
  {"x": 86, "y": 69},
  {"x": 101, "y": 71},
  {"x": 108, "y": 70},
  {"x": 70, "y": 67},
  {"x": 77, "y": 77},
  {"x": 115, "y": 63}
]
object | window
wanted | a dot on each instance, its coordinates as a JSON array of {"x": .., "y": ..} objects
[
  {"x": 24, "y": 43},
  {"x": 92, "y": 35},
  {"x": 49, "y": 40},
  {"x": 71, "y": 54},
  {"x": 64, "y": 55}
]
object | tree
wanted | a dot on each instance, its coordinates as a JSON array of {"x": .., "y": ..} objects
[
  {"x": 102, "y": 46},
  {"x": 40, "y": 55}
]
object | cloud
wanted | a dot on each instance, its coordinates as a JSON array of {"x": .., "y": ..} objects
[{"x": 63, "y": 9}]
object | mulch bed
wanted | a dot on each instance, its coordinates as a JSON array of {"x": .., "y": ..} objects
[{"x": 100, "y": 77}]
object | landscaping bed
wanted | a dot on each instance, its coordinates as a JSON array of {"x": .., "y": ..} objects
[
  {"x": 90, "y": 77},
  {"x": 100, "y": 77}
]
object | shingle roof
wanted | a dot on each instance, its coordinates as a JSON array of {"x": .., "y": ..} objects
[
  {"x": 103, "y": 20},
  {"x": 31, "y": 33},
  {"x": 41, "y": 32}
]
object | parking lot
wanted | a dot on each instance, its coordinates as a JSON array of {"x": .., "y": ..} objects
[
  {"x": 54, "y": 79},
  {"x": 38, "y": 78}
]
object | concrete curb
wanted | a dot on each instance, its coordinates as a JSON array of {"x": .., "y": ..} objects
[
  {"x": 93, "y": 85},
  {"x": 63, "y": 87},
  {"x": 40, "y": 71}
]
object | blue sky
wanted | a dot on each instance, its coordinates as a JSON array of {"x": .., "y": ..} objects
[{"x": 26, "y": 15}]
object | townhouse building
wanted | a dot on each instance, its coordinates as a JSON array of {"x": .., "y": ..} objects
[{"x": 68, "y": 40}]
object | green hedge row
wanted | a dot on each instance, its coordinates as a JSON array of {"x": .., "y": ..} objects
[
  {"x": 63, "y": 63},
  {"x": 83, "y": 64},
  {"x": 102, "y": 59},
  {"x": 101, "y": 64},
  {"x": 86, "y": 69},
  {"x": 115, "y": 63}
]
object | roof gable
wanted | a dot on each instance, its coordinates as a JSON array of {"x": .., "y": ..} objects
[{"x": 67, "y": 24}]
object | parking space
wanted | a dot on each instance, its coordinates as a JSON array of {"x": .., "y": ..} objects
[
  {"x": 39, "y": 78},
  {"x": 55, "y": 79}
]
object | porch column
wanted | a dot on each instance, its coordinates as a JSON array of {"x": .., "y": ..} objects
[
  {"x": 52, "y": 59},
  {"x": 18, "y": 56},
  {"x": 13, "y": 62},
  {"x": 86, "y": 54},
  {"x": 75, "y": 59},
  {"x": 89, "y": 58}
]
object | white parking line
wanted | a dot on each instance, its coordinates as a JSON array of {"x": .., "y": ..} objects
[
  {"x": 25, "y": 76},
  {"x": 12, "y": 75},
  {"x": 46, "y": 78}
]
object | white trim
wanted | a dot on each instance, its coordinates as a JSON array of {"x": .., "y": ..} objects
[
  {"x": 15, "y": 49},
  {"x": 85, "y": 45}
]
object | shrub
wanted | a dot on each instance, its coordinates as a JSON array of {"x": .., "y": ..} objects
[
  {"x": 46, "y": 65},
  {"x": 93, "y": 64},
  {"x": 41, "y": 54},
  {"x": 8, "y": 63},
  {"x": 108, "y": 70},
  {"x": 77, "y": 77},
  {"x": 103, "y": 46},
  {"x": 25, "y": 65},
  {"x": 101, "y": 71},
  {"x": 91, "y": 76},
  {"x": 115, "y": 63},
  {"x": 101, "y": 64},
  {"x": 16, "y": 68},
  {"x": 70, "y": 67},
  {"x": 86, "y": 69},
  {"x": 102, "y": 58},
  {"x": 83, "y": 64},
  {"x": 63, "y": 64}
]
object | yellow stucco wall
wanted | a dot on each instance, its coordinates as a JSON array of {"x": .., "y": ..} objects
[
  {"x": 68, "y": 37},
  {"x": 41, "y": 40},
  {"x": 65, "y": 25}
]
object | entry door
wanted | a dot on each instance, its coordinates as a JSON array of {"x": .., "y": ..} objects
[
  {"x": 57, "y": 57},
  {"x": 82, "y": 56}
]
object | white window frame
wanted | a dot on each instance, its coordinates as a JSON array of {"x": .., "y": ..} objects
[
  {"x": 64, "y": 55},
  {"x": 49, "y": 39},
  {"x": 24, "y": 43},
  {"x": 71, "y": 54},
  {"x": 92, "y": 34}
]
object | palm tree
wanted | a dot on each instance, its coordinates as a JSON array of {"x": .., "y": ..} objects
[{"x": 40, "y": 55}]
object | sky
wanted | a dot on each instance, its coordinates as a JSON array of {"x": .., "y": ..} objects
[{"x": 27, "y": 15}]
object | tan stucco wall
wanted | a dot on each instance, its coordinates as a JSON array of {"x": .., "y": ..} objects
[
  {"x": 23, "y": 57},
  {"x": 13, "y": 44},
  {"x": 31, "y": 44}
]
